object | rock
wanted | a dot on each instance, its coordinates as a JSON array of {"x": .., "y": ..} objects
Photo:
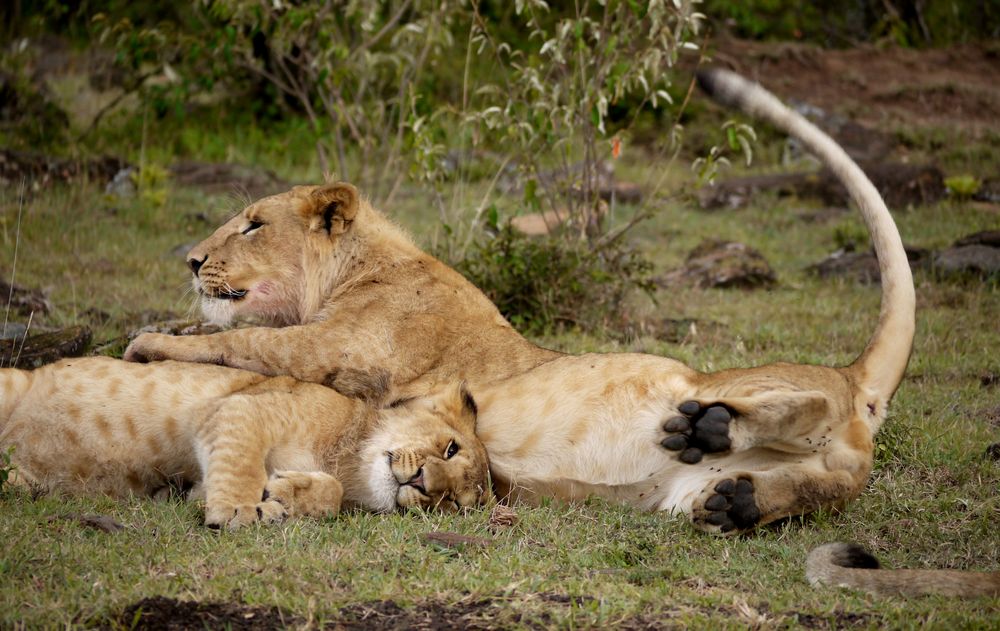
[
  {"x": 862, "y": 143},
  {"x": 41, "y": 170},
  {"x": 226, "y": 177},
  {"x": 552, "y": 221},
  {"x": 722, "y": 264},
  {"x": 122, "y": 185},
  {"x": 901, "y": 185},
  {"x": 23, "y": 301},
  {"x": 177, "y": 327},
  {"x": 672, "y": 330},
  {"x": 989, "y": 191},
  {"x": 862, "y": 266},
  {"x": 738, "y": 192},
  {"x": 13, "y": 331},
  {"x": 985, "y": 237},
  {"x": 44, "y": 348},
  {"x": 977, "y": 260}
]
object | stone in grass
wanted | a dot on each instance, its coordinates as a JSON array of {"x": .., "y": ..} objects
[
  {"x": 22, "y": 300},
  {"x": 44, "y": 348},
  {"x": 862, "y": 266},
  {"x": 974, "y": 255},
  {"x": 723, "y": 264}
]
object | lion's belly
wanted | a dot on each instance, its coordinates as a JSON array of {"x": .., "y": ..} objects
[{"x": 582, "y": 423}]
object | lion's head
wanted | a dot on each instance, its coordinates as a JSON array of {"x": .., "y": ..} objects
[
  {"x": 272, "y": 259},
  {"x": 425, "y": 454}
]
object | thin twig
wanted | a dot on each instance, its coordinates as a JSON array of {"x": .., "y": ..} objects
[
  {"x": 24, "y": 339},
  {"x": 17, "y": 240}
]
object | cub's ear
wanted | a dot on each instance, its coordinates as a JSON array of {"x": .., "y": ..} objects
[
  {"x": 332, "y": 208},
  {"x": 458, "y": 407}
]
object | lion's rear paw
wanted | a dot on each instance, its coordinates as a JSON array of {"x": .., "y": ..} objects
[
  {"x": 726, "y": 506},
  {"x": 700, "y": 429}
]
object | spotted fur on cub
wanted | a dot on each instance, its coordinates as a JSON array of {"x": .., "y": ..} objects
[{"x": 254, "y": 448}]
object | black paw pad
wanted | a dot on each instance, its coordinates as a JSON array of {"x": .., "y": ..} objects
[
  {"x": 732, "y": 506},
  {"x": 702, "y": 429}
]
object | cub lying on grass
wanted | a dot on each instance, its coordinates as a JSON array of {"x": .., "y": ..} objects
[
  {"x": 256, "y": 448},
  {"x": 350, "y": 296}
]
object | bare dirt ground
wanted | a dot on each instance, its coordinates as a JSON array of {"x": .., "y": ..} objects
[{"x": 955, "y": 87}]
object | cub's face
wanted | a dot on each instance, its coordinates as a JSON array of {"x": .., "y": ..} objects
[
  {"x": 426, "y": 455},
  {"x": 259, "y": 262}
]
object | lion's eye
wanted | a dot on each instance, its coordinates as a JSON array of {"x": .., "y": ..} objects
[
  {"x": 252, "y": 226},
  {"x": 450, "y": 450}
]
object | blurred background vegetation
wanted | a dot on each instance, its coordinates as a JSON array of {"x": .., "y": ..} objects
[{"x": 499, "y": 109}]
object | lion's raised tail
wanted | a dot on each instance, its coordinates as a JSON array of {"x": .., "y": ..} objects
[
  {"x": 848, "y": 565},
  {"x": 879, "y": 369}
]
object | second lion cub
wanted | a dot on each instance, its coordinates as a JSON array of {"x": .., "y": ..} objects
[{"x": 256, "y": 448}]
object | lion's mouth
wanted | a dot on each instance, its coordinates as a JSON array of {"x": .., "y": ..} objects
[{"x": 226, "y": 294}]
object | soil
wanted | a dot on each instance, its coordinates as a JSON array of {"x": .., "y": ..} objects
[
  {"x": 953, "y": 87},
  {"x": 166, "y": 614}
]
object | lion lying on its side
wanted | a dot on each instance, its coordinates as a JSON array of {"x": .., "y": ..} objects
[
  {"x": 256, "y": 448},
  {"x": 351, "y": 297}
]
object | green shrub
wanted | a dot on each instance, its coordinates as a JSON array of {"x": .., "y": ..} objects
[{"x": 544, "y": 284}]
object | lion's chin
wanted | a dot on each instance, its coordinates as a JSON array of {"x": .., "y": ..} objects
[{"x": 217, "y": 311}]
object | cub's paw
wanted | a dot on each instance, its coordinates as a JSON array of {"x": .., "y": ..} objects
[
  {"x": 233, "y": 517},
  {"x": 726, "y": 506},
  {"x": 311, "y": 493},
  {"x": 698, "y": 430},
  {"x": 143, "y": 349}
]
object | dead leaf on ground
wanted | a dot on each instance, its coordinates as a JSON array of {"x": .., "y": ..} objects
[{"x": 502, "y": 516}]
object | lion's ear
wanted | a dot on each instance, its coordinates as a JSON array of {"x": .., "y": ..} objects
[
  {"x": 332, "y": 208},
  {"x": 458, "y": 407}
]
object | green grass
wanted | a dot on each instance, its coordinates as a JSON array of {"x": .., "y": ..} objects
[{"x": 932, "y": 500}]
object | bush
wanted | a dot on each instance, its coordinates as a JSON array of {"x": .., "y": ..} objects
[{"x": 543, "y": 284}]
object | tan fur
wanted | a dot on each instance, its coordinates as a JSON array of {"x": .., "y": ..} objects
[
  {"x": 346, "y": 290},
  {"x": 239, "y": 436},
  {"x": 837, "y": 565}
]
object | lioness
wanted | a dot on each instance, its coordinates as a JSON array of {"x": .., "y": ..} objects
[
  {"x": 350, "y": 296},
  {"x": 257, "y": 448}
]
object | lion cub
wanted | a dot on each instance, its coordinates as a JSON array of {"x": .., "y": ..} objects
[{"x": 256, "y": 448}]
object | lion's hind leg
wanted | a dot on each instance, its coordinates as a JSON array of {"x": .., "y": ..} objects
[
  {"x": 739, "y": 501},
  {"x": 310, "y": 493},
  {"x": 788, "y": 420}
]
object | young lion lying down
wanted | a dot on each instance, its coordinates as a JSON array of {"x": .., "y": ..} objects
[{"x": 256, "y": 448}]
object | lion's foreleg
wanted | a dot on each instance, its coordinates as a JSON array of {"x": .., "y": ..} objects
[
  {"x": 280, "y": 351},
  {"x": 232, "y": 447}
]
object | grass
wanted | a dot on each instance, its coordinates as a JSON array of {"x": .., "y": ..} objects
[{"x": 931, "y": 501}]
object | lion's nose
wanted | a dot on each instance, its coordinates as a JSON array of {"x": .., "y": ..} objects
[{"x": 195, "y": 264}]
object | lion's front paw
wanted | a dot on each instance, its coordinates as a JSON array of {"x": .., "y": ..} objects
[
  {"x": 310, "y": 493},
  {"x": 726, "y": 506},
  {"x": 144, "y": 349},
  {"x": 699, "y": 429},
  {"x": 231, "y": 517}
]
